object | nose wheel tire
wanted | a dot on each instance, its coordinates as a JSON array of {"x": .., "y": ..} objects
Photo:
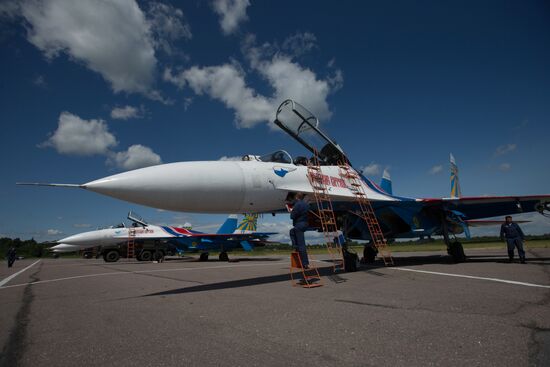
[
  {"x": 111, "y": 256},
  {"x": 369, "y": 254},
  {"x": 146, "y": 256},
  {"x": 223, "y": 256},
  {"x": 204, "y": 256}
]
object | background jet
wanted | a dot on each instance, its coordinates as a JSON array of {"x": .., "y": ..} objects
[{"x": 227, "y": 238}]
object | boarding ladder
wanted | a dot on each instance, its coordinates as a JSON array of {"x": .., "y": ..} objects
[
  {"x": 355, "y": 184},
  {"x": 325, "y": 214},
  {"x": 131, "y": 244}
]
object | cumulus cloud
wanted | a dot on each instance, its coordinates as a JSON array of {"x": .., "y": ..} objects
[
  {"x": 53, "y": 232},
  {"x": 231, "y": 13},
  {"x": 300, "y": 43},
  {"x": 111, "y": 38},
  {"x": 504, "y": 149},
  {"x": 80, "y": 137},
  {"x": 126, "y": 112},
  {"x": 167, "y": 24},
  {"x": 436, "y": 169},
  {"x": 227, "y": 84},
  {"x": 504, "y": 167},
  {"x": 76, "y": 136},
  {"x": 371, "y": 169},
  {"x": 137, "y": 156},
  {"x": 287, "y": 79}
]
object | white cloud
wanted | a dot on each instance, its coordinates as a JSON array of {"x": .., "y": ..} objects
[
  {"x": 126, "y": 112},
  {"x": 137, "y": 156},
  {"x": 287, "y": 79},
  {"x": 291, "y": 80},
  {"x": 231, "y": 12},
  {"x": 77, "y": 136},
  {"x": 371, "y": 169},
  {"x": 504, "y": 167},
  {"x": 300, "y": 43},
  {"x": 226, "y": 83},
  {"x": 80, "y": 137},
  {"x": 504, "y": 149},
  {"x": 436, "y": 169},
  {"x": 111, "y": 38},
  {"x": 167, "y": 25},
  {"x": 226, "y": 158},
  {"x": 40, "y": 81},
  {"x": 53, "y": 232}
]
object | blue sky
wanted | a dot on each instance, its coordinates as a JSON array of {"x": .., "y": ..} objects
[{"x": 92, "y": 89}]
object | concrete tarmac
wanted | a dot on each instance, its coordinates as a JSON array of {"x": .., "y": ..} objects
[{"x": 424, "y": 311}]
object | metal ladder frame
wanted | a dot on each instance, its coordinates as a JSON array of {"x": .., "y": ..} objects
[
  {"x": 325, "y": 214},
  {"x": 367, "y": 212}
]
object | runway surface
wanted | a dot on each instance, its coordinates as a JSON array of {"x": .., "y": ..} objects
[{"x": 424, "y": 311}]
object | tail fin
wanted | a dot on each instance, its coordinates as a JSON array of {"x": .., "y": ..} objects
[
  {"x": 385, "y": 184},
  {"x": 248, "y": 225},
  {"x": 229, "y": 225},
  {"x": 455, "y": 183}
]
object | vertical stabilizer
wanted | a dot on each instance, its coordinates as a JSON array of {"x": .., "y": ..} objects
[
  {"x": 385, "y": 184},
  {"x": 455, "y": 183},
  {"x": 229, "y": 225},
  {"x": 248, "y": 225}
]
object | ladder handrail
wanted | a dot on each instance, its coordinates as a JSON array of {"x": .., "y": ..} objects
[{"x": 367, "y": 211}]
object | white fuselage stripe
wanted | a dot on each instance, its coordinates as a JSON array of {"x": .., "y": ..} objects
[
  {"x": 16, "y": 274},
  {"x": 474, "y": 277}
]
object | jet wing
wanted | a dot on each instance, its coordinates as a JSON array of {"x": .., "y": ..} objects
[
  {"x": 232, "y": 236},
  {"x": 491, "y": 206}
]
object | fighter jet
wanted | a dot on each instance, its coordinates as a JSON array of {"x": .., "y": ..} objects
[
  {"x": 265, "y": 184},
  {"x": 228, "y": 237}
]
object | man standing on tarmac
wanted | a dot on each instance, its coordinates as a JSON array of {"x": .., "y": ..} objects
[
  {"x": 514, "y": 237},
  {"x": 300, "y": 223},
  {"x": 11, "y": 255}
]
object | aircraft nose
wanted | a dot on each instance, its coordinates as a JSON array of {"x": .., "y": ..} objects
[
  {"x": 215, "y": 187},
  {"x": 77, "y": 239}
]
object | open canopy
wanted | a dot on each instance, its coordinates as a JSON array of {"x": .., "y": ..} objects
[{"x": 303, "y": 126}]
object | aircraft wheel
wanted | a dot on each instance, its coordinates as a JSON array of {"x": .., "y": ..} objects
[
  {"x": 204, "y": 256},
  {"x": 111, "y": 256},
  {"x": 146, "y": 255},
  {"x": 369, "y": 254},
  {"x": 223, "y": 256},
  {"x": 457, "y": 252},
  {"x": 350, "y": 261},
  {"x": 87, "y": 255},
  {"x": 55, "y": 255}
]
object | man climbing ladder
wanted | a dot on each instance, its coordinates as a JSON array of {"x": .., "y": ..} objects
[{"x": 300, "y": 226}]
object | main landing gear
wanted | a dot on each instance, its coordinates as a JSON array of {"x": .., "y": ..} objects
[
  {"x": 454, "y": 248},
  {"x": 369, "y": 253},
  {"x": 223, "y": 256},
  {"x": 204, "y": 256}
]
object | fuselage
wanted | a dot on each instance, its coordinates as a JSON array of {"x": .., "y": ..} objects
[
  {"x": 222, "y": 186},
  {"x": 114, "y": 236}
]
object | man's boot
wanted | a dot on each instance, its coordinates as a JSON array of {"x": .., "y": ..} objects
[{"x": 522, "y": 260}]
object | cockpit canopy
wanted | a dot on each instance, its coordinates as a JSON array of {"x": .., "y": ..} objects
[{"x": 280, "y": 156}]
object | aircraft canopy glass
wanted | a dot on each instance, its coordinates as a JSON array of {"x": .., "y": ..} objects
[
  {"x": 279, "y": 156},
  {"x": 303, "y": 126}
]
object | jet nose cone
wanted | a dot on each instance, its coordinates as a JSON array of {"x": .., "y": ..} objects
[{"x": 216, "y": 187}]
